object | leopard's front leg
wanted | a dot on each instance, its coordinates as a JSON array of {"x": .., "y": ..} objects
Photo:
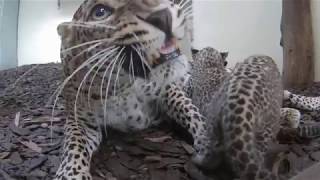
[
  {"x": 180, "y": 108},
  {"x": 81, "y": 139}
]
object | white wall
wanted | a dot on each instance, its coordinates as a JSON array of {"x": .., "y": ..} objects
[
  {"x": 242, "y": 27},
  {"x": 38, "y": 41},
  {"x": 315, "y": 8},
  {"x": 8, "y": 33}
]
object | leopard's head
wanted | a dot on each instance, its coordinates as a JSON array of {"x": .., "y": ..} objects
[{"x": 138, "y": 35}]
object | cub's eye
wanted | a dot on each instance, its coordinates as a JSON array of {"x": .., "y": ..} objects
[{"x": 100, "y": 12}]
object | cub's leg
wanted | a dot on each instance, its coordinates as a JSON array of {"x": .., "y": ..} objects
[{"x": 179, "y": 107}]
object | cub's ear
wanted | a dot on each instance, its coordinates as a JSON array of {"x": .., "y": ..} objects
[{"x": 224, "y": 55}]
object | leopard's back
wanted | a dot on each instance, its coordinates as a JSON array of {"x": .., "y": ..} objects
[{"x": 245, "y": 116}]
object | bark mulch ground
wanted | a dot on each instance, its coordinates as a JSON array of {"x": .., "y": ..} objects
[{"x": 31, "y": 138}]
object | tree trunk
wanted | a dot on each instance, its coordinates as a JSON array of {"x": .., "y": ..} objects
[{"x": 297, "y": 40}]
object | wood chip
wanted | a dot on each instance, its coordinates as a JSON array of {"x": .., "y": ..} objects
[
  {"x": 159, "y": 139},
  {"x": 15, "y": 158},
  {"x": 152, "y": 159},
  {"x": 4, "y": 155},
  {"x": 5, "y": 175},
  {"x": 35, "y": 163},
  {"x": 173, "y": 174},
  {"x": 44, "y": 125},
  {"x": 19, "y": 131},
  {"x": 17, "y": 119},
  {"x": 31, "y": 145},
  {"x": 188, "y": 148},
  {"x": 157, "y": 175}
]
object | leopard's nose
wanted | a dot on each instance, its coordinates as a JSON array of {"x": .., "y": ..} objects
[{"x": 162, "y": 19}]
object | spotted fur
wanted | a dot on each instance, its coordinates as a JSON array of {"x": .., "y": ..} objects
[
  {"x": 244, "y": 115},
  {"x": 208, "y": 72},
  {"x": 302, "y": 102},
  {"x": 117, "y": 74},
  {"x": 308, "y": 130},
  {"x": 290, "y": 117}
]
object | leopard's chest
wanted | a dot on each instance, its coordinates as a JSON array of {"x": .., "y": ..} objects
[{"x": 140, "y": 105}]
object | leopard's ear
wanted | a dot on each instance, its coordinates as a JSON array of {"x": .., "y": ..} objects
[
  {"x": 194, "y": 51},
  {"x": 224, "y": 55}
]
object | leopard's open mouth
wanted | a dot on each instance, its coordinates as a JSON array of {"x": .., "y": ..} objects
[
  {"x": 169, "y": 51},
  {"x": 135, "y": 63}
]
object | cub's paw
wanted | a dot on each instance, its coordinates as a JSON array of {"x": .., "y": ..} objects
[{"x": 286, "y": 95}]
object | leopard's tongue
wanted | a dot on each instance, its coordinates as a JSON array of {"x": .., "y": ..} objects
[
  {"x": 169, "y": 47},
  {"x": 169, "y": 51}
]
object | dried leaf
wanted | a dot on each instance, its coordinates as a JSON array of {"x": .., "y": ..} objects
[
  {"x": 5, "y": 175},
  {"x": 153, "y": 158},
  {"x": 17, "y": 119},
  {"x": 159, "y": 139},
  {"x": 3, "y": 155},
  {"x": 189, "y": 149},
  {"x": 19, "y": 131},
  {"x": 31, "y": 145}
]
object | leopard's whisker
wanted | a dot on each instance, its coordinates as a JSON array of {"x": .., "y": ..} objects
[
  {"x": 101, "y": 60},
  {"x": 107, "y": 89},
  {"x": 101, "y": 41},
  {"x": 104, "y": 59},
  {"x": 89, "y": 24},
  {"x": 99, "y": 24},
  {"x": 139, "y": 52},
  {"x": 64, "y": 83},
  {"x": 142, "y": 58},
  {"x": 107, "y": 55},
  {"x": 118, "y": 73},
  {"x": 188, "y": 10},
  {"x": 184, "y": 3},
  {"x": 143, "y": 67},
  {"x": 180, "y": 3},
  {"x": 85, "y": 50},
  {"x": 105, "y": 74},
  {"x": 84, "y": 64},
  {"x": 129, "y": 73},
  {"x": 131, "y": 66},
  {"x": 142, "y": 64}
]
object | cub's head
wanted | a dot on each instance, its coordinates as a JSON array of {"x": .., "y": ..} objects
[
  {"x": 210, "y": 57},
  {"x": 138, "y": 35}
]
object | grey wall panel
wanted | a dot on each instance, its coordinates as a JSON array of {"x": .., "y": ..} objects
[{"x": 8, "y": 33}]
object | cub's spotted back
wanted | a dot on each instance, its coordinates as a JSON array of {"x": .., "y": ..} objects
[{"x": 245, "y": 116}]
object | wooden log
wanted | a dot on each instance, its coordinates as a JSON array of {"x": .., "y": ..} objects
[{"x": 298, "y": 63}]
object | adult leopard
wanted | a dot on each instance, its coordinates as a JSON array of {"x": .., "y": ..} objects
[{"x": 124, "y": 67}]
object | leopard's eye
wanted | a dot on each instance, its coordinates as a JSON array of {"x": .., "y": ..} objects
[{"x": 100, "y": 12}]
